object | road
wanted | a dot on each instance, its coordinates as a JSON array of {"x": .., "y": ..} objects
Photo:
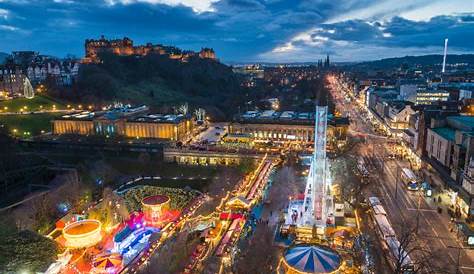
[
  {"x": 405, "y": 206},
  {"x": 211, "y": 135}
]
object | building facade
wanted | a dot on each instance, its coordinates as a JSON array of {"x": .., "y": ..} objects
[
  {"x": 134, "y": 124},
  {"x": 428, "y": 97},
  {"x": 63, "y": 73},
  {"x": 450, "y": 142},
  {"x": 282, "y": 131},
  {"x": 11, "y": 83}
]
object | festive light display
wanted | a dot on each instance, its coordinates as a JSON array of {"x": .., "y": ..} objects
[
  {"x": 107, "y": 263},
  {"x": 311, "y": 259},
  {"x": 154, "y": 208},
  {"x": 83, "y": 233}
]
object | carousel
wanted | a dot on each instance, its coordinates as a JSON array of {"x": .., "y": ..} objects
[
  {"x": 306, "y": 259},
  {"x": 107, "y": 263},
  {"x": 84, "y": 233},
  {"x": 156, "y": 209}
]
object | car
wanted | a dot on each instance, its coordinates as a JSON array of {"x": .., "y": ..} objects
[{"x": 414, "y": 186}]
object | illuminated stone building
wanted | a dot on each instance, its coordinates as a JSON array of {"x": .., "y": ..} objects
[
  {"x": 207, "y": 53},
  {"x": 288, "y": 126},
  {"x": 63, "y": 73},
  {"x": 128, "y": 122},
  {"x": 11, "y": 82},
  {"x": 125, "y": 47}
]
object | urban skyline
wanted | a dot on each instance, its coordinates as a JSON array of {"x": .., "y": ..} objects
[{"x": 236, "y": 137}]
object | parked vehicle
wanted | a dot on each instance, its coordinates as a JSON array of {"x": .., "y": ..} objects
[{"x": 410, "y": 179}]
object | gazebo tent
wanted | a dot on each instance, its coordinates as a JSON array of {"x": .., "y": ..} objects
[
  {"x": 312, "y": 259},
  {"x": 107, "y": 263}
]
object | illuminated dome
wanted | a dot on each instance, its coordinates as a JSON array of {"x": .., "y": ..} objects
[
  {"x": 311, "y": 259},
  {"x": 154, "y": 208},
  {"x": 83, "y": 233}
]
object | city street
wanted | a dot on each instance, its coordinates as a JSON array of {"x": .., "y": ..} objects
[
  {"x": 405, "y": 207},
  {"x": 212, "y": 134}
]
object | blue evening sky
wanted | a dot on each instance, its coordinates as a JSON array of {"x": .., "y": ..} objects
[{"x": 245, "y": 30}]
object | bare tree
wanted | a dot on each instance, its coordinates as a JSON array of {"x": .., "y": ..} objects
[
  {"x": 352, "y": 186},
  {"x": 225, "y": 181},
  {"x": 413, "y": 252},
  {"x": 261, "y": 255},
  {"x": 173, "y": 256},
  {"x": 112, "y": 209},
  {"x": 285, "y": 184},
  {"x": 183, "y": 109},
  {"x": 200, "y": 114},
  {"x": 41, "y": 211}
]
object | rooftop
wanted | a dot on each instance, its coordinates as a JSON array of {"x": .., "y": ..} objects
[
  {"x": 461, "y": 122},
  {"x": 113, "y": 113},
  {"x": 285, "y": 117},
  {"x": 133, "y": 114},
  {"x": 160, "y": 118},
  {"x": 445, "y": 132},
  {"x": 155, "y": 200}
]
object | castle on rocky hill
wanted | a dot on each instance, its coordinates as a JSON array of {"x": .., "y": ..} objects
[{"x": 125, "y": 47}]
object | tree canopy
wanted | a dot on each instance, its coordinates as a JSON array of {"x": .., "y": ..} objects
[
  {"x": 25, "y": 250},
  {"x": 158, "y": 81}
]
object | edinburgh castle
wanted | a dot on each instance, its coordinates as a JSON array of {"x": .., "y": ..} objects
[{"x": 125, "y": 47}]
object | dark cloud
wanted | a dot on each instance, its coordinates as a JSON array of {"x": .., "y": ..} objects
[{"x": 239, "y": 30}]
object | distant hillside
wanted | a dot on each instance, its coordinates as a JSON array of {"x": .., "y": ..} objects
[
  {"x": 424, "y": 60},
  {"x": 158, "y": 81},
  {"x": 3, "y": 56}
]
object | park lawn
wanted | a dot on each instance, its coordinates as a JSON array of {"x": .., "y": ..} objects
[
  {"x": 24, "y": 123},
  {"x": 39, "y": 102}
]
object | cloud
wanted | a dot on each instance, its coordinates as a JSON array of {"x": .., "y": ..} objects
[
  {"x": 382, "y": 9},
  {"x": 4, "y": 14},
  {"x": 378, "y": 38},
  {"x": 240, "y": 30},
  {"x": 8, "y": 28},
  {"x": 196, "y": 5}
]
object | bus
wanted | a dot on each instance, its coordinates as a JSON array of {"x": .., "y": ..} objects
[
  {"x": 388, "y": 237},
  {"x": 410, "y": 179}
]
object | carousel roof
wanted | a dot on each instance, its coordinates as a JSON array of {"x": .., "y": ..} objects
[
  {"x": 108, "y": 261},
  {"x": 312, "y": 259}
]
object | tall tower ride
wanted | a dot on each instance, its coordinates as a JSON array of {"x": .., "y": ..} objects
[
  {"x": 444, "y": 55},
  {"x": 318, "y": 203}
]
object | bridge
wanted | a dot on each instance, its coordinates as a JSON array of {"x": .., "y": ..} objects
[{"x": 206, "y": 157}]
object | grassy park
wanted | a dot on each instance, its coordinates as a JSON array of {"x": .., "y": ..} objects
[
  {"x": 39, "y": 102},
  {"x": 29, "y": 124}
]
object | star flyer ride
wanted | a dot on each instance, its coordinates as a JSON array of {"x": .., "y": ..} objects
[{"x": 316, "y": 210}]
